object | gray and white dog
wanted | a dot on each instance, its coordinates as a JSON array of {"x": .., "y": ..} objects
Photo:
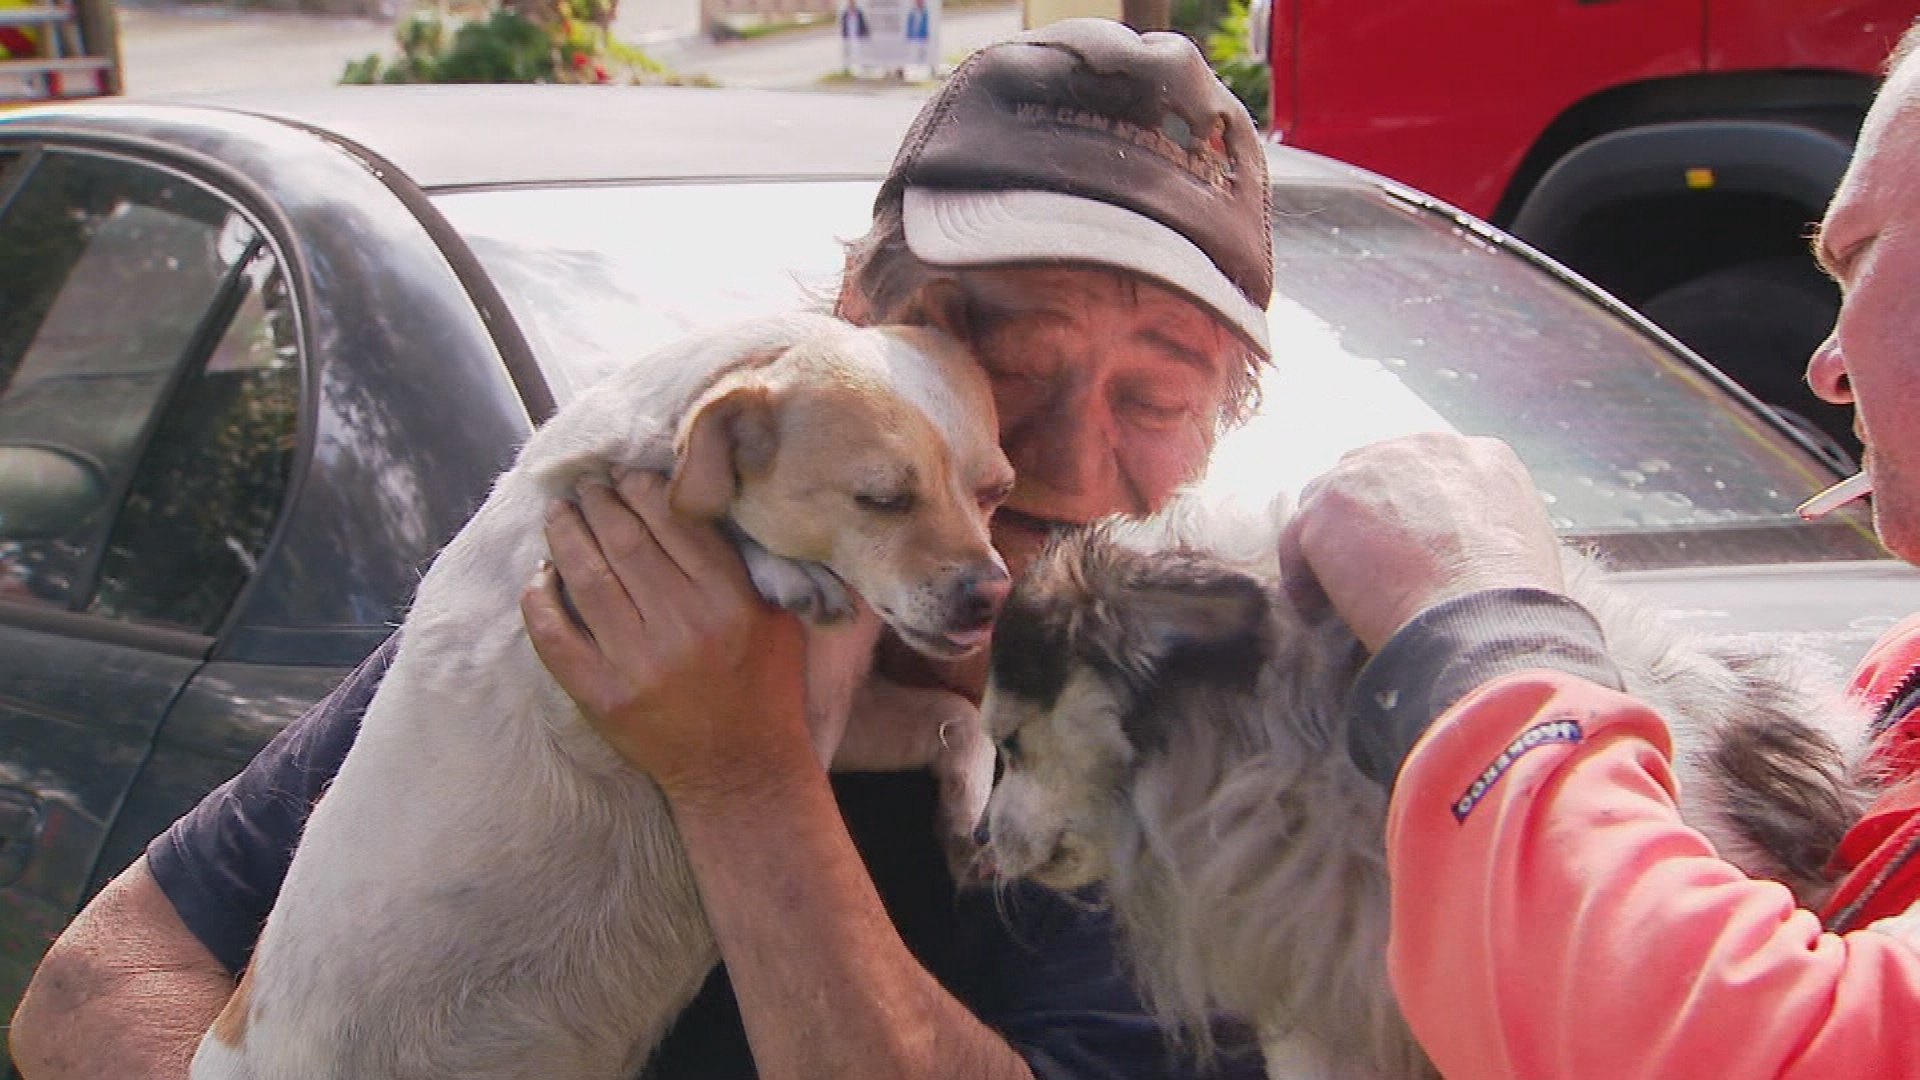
[{"x": 1172, "y": 725}]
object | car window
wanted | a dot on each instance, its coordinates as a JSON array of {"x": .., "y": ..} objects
[
  {"x": 1386, "y": 319},
  {"x": 1413, "y": 323},
  {"x": 132, "y": 306}
]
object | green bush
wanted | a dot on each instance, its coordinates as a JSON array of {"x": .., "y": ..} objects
[
  {"x": 506, "y": 46},
  {"x": 1198, "y": 18},
  {"x": 1219, "y": 27},
  {"x": 1250, "y": 80}
]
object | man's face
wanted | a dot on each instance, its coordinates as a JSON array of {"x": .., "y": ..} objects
[
  {"x": 1109, "y": 391},
  {"x": 1870, "y": 241}
]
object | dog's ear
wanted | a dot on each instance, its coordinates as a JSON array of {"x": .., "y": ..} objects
[
  {"x": 1200, "y": 610},
  {"x": 1194, "y": 626},
  {"x": 728, "y": 434}
]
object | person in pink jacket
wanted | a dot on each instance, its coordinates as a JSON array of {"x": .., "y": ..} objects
[{"x": 1552, "y": 918}]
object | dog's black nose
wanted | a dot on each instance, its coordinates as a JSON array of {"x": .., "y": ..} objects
[
  {"x": 981, "y": 594},
  {"x": 980, "y": 834}
]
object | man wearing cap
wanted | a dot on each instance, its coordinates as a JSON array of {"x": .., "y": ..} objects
[{"x": 1098, "y": 200}]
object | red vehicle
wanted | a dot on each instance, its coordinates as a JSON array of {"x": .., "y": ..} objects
[{"x": 1675, "y": 152}]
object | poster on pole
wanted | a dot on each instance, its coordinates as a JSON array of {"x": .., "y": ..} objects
[{"x": 890, "y": 37}]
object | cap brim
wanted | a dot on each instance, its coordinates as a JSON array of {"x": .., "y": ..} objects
[{"x": 986, "y": 228}]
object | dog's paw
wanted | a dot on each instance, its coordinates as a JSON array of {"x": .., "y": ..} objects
[
  {"x": 964, "y": 771},
  {"x": 807, "y": 589}
]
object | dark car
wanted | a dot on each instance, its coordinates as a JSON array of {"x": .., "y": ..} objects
[{"x": 260, "y": 358}]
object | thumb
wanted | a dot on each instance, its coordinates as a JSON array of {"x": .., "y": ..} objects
[{"x": 1297, "y": 579}]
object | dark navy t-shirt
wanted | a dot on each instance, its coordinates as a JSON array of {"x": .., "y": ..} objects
[{"x": 1035, "y": 967}]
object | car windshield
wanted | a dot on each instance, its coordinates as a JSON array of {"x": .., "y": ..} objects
[{"x": 1387, "y": 318}]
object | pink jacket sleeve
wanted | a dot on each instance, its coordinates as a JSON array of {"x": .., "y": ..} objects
[{"x": 1553, "y": 919}]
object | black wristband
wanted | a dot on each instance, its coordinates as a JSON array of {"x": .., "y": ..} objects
[{"x": 1451, "y": 649}]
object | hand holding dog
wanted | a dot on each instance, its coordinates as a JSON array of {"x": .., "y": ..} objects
[
  {"x": 674, "y": 658},
  {"x": 1398, "y": 526}
]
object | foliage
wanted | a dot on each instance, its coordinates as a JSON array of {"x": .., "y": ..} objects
[
  {"x": 1250, "y": 80},
  {"x": 1198, "y": 18},
  {"x": 1219, "y": 27},
  {"x": 529, "y": 41},
  {"x": 435, "y": 47}
]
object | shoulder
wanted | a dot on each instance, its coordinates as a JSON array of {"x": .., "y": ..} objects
[
  {"x": 1890, "y": 662},
  {"x": 222, "y": 863}
]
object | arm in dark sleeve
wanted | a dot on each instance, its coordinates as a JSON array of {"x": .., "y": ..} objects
[
  {"x": 1049, "y": 980},
  {"x": 221, "y": 865},
  {"x": 1453, "y": 648}
]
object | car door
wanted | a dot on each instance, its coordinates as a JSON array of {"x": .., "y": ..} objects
[{"x": 149, "y": 405}]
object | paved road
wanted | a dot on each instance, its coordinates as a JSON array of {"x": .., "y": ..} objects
[
  {"x": 193, "y": 50},
  {"x": 176, "y": 50},
  {"x": 800, "y": 58}
]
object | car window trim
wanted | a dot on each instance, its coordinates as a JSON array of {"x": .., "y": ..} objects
[
  {"x": 193, "y": 360},
  {"x": 717, "y": 179},
  {"x": 81, "y": 625},
  {"x": 14, "y": 177},
  {"x": 516, "y": 352}
]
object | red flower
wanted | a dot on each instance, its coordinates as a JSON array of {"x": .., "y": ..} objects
[
  {"x": 579, "y": 59},
  {"x": 599, "y": 73}
]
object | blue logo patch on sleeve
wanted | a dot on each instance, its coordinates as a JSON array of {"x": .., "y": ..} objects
[{"x": 1550, "y": 731}]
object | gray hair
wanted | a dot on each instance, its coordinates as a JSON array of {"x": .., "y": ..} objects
[{"x": 884, "y": 281}]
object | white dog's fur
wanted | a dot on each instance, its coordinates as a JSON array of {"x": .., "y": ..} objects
[
  {"x": 1172, "y": 725},
  {"x": 486, "y": 889}
]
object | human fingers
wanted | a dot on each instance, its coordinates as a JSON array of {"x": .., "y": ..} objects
[
  {"x": 698, "y": 550},
  {"x": 1400, "y": 525},
  {"x": 1302, "y": 587},
  {"x": 598, "y": 595},
  {"x": 646, "y": 571},
  {"x": 563, "y": 645}
]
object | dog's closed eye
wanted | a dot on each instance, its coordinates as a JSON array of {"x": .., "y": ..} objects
[
  {"x": 889, "y": 503},
  {"x": 1009, "y": 747}
]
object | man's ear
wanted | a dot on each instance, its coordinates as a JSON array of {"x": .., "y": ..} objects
[
  {"x": 942, "y": 304},
  {"x": 730, "y": 433},
  {"x": 849, "y": 305}
]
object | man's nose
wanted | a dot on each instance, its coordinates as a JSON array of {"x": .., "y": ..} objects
[
  {"x": 1827, "y": 373},
  {"x": 1069, "y": 447}
]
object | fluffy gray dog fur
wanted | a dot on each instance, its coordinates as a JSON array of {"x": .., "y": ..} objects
[{"x": 1171, "y": 725}]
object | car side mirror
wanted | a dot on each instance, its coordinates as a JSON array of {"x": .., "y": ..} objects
[{"x": 46, "y": 493}]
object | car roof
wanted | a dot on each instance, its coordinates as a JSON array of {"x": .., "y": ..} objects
[
  {"x": 487, "y": 135},
  {"x": 484, "y": 135}
]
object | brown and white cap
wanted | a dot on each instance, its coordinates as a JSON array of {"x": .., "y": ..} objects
[{"x": 1086, "y": 142}]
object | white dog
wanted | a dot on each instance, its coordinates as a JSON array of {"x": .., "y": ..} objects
[
  {"x": 486, "y": 890},
  {"x": 1172, "y": 725}
]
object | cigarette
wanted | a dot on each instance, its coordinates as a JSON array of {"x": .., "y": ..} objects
[{"x": 1857, "y": 486}]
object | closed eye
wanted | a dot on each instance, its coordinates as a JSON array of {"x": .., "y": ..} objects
[
  {"x": 1156, "y": 415},
  {"x": 1010, "y": 749},
  {"x": 886, "y": 504}
]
